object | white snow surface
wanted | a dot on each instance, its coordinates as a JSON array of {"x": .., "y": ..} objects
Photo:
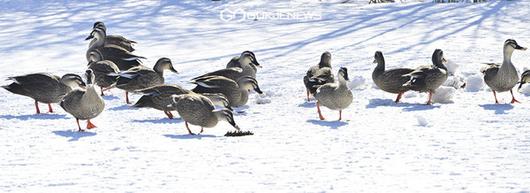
[{"x": 470, "y": 145}]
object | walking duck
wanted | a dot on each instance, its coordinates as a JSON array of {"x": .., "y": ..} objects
[
  {"x": 335, "y": 95},
  {"x": 84, "y": 104},
  {"x": 199, "y": 110},
  {"x": 318, "y": 75},
  {"x": 429, "y": 78},
  {"x": 44, "y": 87},
  {"x": 392, "y": 80},
  {"x": 504, "y": 77}
]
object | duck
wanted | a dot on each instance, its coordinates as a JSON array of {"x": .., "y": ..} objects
[
  {"x": 335, "y": 95},
  {"x": 161, "y": 97},
  {"x": 236, "y": 92},
  {"x": 84, "y": 104},
  {"x": 246, "y": 61},
  {"x": 525, "y": 78},
  {"x": 428, "y": 78},
  {"x": 199, "y": 110},
  {"x": 318, "y": 75},
  {"x": 504, "y": 77},
  {"x": 44, "y": 87},
  {"x": 98, "y": 51},
  {"x": 117, "y": 40},
  {"x": 142, "y": 77},
  {"x": 101, "y": 70},
  {"x": 391, "y": 80}
]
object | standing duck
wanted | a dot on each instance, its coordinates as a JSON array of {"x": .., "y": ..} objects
[
  {"x": 114, "y": 39},
  {"x": 246, "y": 61},
  {"x": 84, "y": 104},
  {"x": 236, "y": 93},
  {"x": 44, "y": 87},
  {"x": 101, "y": 70},
  {"x": 318, "y": 75},
  {"x": 198, "y": 110},
  {"x": 429, "y": 78},
  {"x": 336, "y": 95},
  {"x": 98, "y": 51},
  {"x": 392, "y": 80},
  {"x": 505, "y": 77},
  {"x": 141, "y": 77},
  {"x": 525, "y": 78}
]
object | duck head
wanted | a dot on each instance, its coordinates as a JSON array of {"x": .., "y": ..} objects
[
  {"x": 343, "y": 73},
  {"x": 164, "y": 64},
  {"x": 325, "y": 60},
  {"x": 90, "y": 77},
  {"x": 438, "y": 59},
  {"x": 97, "y": 33},
  {"x": 94, "y": 56},
  {"x": 379, "y": 59},
  {"x": 252, "y": 56},
  {"x": 226, "y": 114},
  {"x": 73, "y": 81},
  {"x": 99, "y": 25},
  {"x": 248, "y": 83},
  {"x": 511, "y": 44}
]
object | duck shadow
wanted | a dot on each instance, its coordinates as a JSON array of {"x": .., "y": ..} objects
[
  {"x": 74, "y": 135},
  {"x": 330, "y": 124},
  {"x": 120, "y": 108},
  {"x": 497, "y": 108},
  {"x": 34, "y": 116},
  {"x": 307, "y": 104},
  {"x": 374, "y": 103},
  {"x": 110, "y": 97},
  {"x": 188, "y": 136},
  {"x": 159, "y": 121}
]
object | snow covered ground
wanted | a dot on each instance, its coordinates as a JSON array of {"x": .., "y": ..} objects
[{"x": 467, "y": 145}]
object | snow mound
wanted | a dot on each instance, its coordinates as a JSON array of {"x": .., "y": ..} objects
[
  {"x": 455, "y": 82},
  {"x": 444, "y": 94},
  {"x": 422, "y": 121},
  {"x": 357, "y": 82},
  {"x": 264, "y": 98},
  {"x": 452, "y": 67},
  {"x": 474, "y": 83},
  {"x": 525, "y": 89}
]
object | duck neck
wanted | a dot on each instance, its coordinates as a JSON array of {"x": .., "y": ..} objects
[
  {"x": 380, "y": 65},
  {"x": 343, "y": 83},
  {"x": 507, "y": 56},
  {"x": 324, "y": 63}
]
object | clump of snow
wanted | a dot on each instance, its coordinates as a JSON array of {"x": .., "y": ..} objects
[
  {"x": 357, "y": 82},
  {"x": 444, "y": 94},
  {"x": 263, "y": 98},
  {"x": 422, "y": 121},
  {"x": 452, "y": 67},
  {"x": 455, "y": 82},
  {"x": 474, "y": 83},
  {"x": 525, "y": 89}
]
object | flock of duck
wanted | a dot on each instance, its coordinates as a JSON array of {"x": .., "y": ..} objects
[{"x": 112, "y": 64}]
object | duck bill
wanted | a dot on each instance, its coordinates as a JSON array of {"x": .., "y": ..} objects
[
  {"x": 258, "y": 90},
  {"x": 89, "y": 37},
  {"x": 375, "y": 61},
  {"x": 173, "y": 70},
  {"x": 518, "y": 47}
]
